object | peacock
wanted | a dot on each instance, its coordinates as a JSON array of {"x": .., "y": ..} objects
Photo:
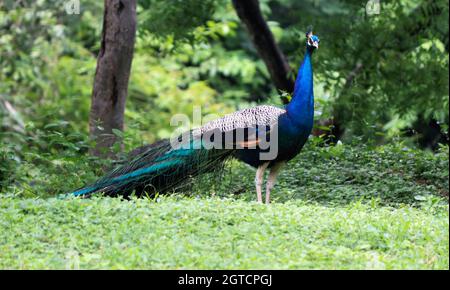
[{"x": 264, "y": 137}]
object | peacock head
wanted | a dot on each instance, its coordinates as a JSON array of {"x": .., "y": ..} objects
[{"x": 312, "y": 41}]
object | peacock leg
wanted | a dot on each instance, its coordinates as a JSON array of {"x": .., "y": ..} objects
[
  {"x": 274, "y": 171},
  {"x": 259, "y": 180}
]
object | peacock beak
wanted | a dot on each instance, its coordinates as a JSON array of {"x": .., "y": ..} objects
[{"x": 315, "y": 44}]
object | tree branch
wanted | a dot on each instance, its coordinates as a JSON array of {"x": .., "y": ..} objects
[
  {"x": 264, "y": 42},
  {"x": 353, "y": 74}
]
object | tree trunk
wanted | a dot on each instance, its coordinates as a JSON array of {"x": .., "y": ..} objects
[
  {"x": 264, "y": 42},
  {"x": 112, "y": 74}
]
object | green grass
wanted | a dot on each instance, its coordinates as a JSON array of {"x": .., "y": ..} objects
[
  {"x": 339, "y": 207},
  {"x": 208, "y": 233}
]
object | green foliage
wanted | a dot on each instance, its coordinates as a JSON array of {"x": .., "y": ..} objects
[
  {"x": 176, "y": 18},
  {"x": 340, "y": 174},
  {"x": 197, "y": 51}
]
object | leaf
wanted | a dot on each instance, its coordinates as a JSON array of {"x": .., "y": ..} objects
[
  {"x": 420, "y": 197},
  {"x": 118, "y": 133}
]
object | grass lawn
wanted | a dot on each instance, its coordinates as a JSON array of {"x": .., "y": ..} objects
[
  {"x": 208, "y": 233},
  {"x": 334, "y": 208}
]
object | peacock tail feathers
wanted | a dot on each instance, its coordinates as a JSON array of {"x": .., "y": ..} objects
[{"x": 158, "y": 168}]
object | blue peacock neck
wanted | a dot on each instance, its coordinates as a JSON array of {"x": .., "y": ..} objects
[{"x": 301, "y": 107}]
